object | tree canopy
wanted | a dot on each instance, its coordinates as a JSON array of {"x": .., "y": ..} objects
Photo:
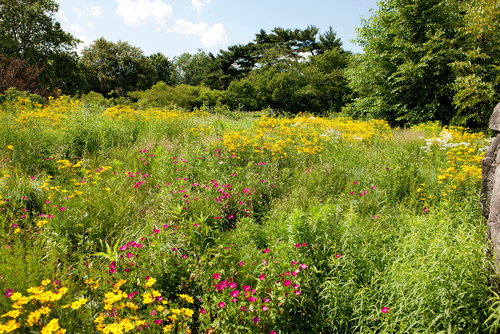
[
  {"x": 423, "y": 62},
  {"x": 28, "y": 31}
]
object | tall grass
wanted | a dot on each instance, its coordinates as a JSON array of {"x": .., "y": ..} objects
[{"x": 334, "y": 225}]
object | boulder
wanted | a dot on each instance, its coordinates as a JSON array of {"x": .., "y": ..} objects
[
  {"x": 490, "y": 190},
  {"x": 495, "y": 119}
]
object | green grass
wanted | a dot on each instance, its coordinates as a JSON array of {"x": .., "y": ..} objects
[{"x": 354, "y": 216}]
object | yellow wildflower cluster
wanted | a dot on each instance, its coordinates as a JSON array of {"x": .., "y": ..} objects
[
  {"x": 200, "y": 130},
  {"x": 464, "y": 154},
  {"x": 42, "y": 298},
  {"x": 284, "y": 137},
  {"x": 123, "y": 317},
  {"x": 31, "y": 114},
  {"x": 122, "y": 112}
]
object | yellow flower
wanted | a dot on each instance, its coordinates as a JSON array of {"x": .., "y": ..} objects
[
  {"x": 12, "y": 314},
  {"x": 52, "y": 327},
  {"x": 41, "y": 222},
  {"x": 46, "y": 282},
  {"x": 10, "y": 326},
  {"x": 187, "y": 298},
  {"x": 151, "y": 281},
  {"x": 10, "y": 147},
  {"x": 78, "y": 303}
]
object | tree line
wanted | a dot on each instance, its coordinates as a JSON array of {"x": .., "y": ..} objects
[{"x": 423, "y": 60}]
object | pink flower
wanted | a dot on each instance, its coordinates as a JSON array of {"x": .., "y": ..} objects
[
  {"x": 303, "y": 266},
  {"x": 267, "y": 300},
  {"x": 261, "y": 277},
  {"x": 246, "y": 287},
  {"x": 337, "y": 256},
  {"x": 266, "y": 250},
  {"x": 251, "y": 299},
  {"x": 202, "y": 311},
  {"x": 264, "y": 308},
  {"x": 297, "y": 245},
  {"x": 222, "y": 304},
  {"x": 297, "y": 292},
  {"x": 272, "y": 332},
  {"x": 256, "y": 319},
  {"x": 233, "y": 285},
  {"x": 286, "y": 283},
  {"x": 234, "y": 300},
  {"x": 234, "y": 293},
  {"x": 241, "y": 264},
  {"x": 385, "y": 309},
  {"x": 216, "y": 276},
  {"x": 295, "y": 286},
  {"x": 8, "y": 293},
  {"x": 243, "y": 309},
  {"x": 157, "y": 321},
  {"x": 304, "y": 244}
]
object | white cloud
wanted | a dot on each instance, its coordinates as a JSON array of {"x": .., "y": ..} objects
[
  {"x": 76, "y": 29},
  {"x": 209, "y": 35},
  {"x": 90, "y": 24},
  {"x": 62, "y": 18},
  {"x": 138, "y": 12},
  {"x": 95, "y": 11},
  {"x": 198, "y": 5}
]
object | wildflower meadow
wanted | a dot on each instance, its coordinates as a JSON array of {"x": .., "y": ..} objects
[{"x": 125, "y": 220}]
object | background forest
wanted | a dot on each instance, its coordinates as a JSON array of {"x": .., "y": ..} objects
[{"x": 423, "y": 60}]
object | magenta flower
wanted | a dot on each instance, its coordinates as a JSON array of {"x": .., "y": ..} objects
[
  {"x": 295, "y": 286},
  {"x": 297, "y": 292},
  {"x": 251, "y": 299},
  {"x": 241, "y": 264},
  {"x": 266, "y": 250},
  {"x": 8, "y": 293},
  {"x": 297, "y": 245},
  {"x": 158, "y": 322},
  {"x": 385, "y": 309},
  {"x": 243, "y": 309},
  {"x": 303, "y": 266},
  {"x": 264, "y": 308},
  {"x": 222, "y": 304},
  {"x": 246, "y": 287},
  {"x": 261, "y": 277},
  {"x": 337, "y": 256},
  {"x": 233, "y": 285},
  {"x": 216, "y": 276},
  {"x": 234, "y": 300},
  {"x": 234, "y": 293},
  {"x": 286, "y": 283},
  {"x": 272, "y": 332},
  {"x": 202, "y": 311},
  {"x": 256, "y": 319}
]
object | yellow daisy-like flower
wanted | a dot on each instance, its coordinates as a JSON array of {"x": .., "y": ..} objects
[
  {"x": 78, "y": 303},
  {"x": 10, "y": 147},
  {"x": 12, "y": 314}
]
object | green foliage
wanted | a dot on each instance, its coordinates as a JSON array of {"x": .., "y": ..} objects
[
  {"x": 315, "y": 85},
  {"x": 29, "y": 31},
  {"x": 117, "y": 67},
  {"x": 162, "y": 95},
  {"x": 427, "y": 60}
]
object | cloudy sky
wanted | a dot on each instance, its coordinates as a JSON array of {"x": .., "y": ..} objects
[{"x": 173, "y": 27}]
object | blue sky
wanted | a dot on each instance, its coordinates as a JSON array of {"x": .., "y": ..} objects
[{"x": 173, "y": 27}]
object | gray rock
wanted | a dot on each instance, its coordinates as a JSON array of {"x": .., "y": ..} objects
[
  {"x": 495, "y": 118},
  {"x": 490, "y": 191},
  {"x": 488, "y": 174}
]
